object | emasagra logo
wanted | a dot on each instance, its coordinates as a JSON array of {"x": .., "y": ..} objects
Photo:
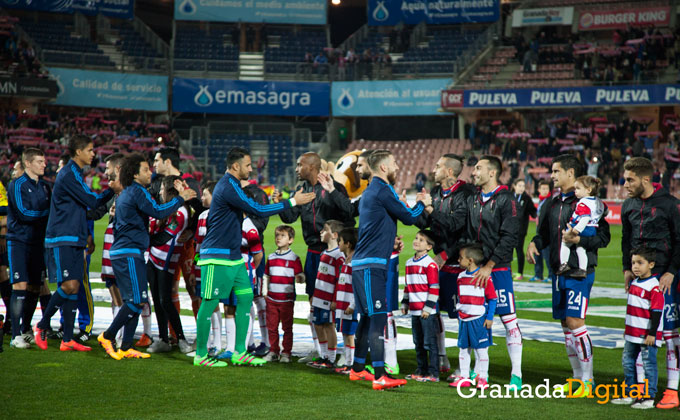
[
  {"x": 380, "y": 13},
  {"x": 203, "y": 97},
  {"x": 345, "y": 101},
  {"x": 187, "y": 7}
]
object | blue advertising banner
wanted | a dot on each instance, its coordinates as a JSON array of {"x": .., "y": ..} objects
[
  {"x": 105, "y": 89},
  {"x": 590, "y": 96},
  {"x": 218, "y": 96},
  {"x": 305, "y": 12},
  {"x": 385, "y": 98},
  {"x": 123, "y": 9},
  {"x": 392, "y": 12}
]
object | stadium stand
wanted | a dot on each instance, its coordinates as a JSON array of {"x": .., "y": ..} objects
[{"x": 206, "y": 50}]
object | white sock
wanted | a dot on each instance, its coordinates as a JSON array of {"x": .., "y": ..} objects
[
  {"x": 513, "y": 340},
  {"x": 332, "y": 354},
  {"x": 230, "y": 328},
  {"x": 250, "y": 339},
  {"x": 564, "y": 253},
  {"x": 261, "y": 306},
  {"x": 441, "y": 339},
  {"x": 672, "y": 342},
  {"x": 323, "y": 353},
  {"x": 146, "y": 319},
  {"x": 391, "y": 341},
  {"x": 582, "y": 258},
  {"x": 584, "y": 350},
  {"x": 216, "y": 330},
  {"x": 317, "y": 347},
  {"x": 464, "y": 358},
  {"x": 571, "y": 353},
  {"x": 349, "y": 353},
  {"x": 482, "y": 363}
]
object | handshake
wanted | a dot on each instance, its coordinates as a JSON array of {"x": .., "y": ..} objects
[{"x": 424, "y": 197}]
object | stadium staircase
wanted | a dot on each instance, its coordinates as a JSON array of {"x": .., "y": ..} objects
[{"x": 251, "y": 66}]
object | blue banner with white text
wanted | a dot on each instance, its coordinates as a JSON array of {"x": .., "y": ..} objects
[
  {"x": 218, "y": 96},
  {"x": 412, "y": 12},
  {"x": 104, "y": 89},
  {"x": 123, "y": 9},
  {"x": 590, "y": 96},
  {"x": 305, "y": 12},
  {"x": 386, "y": 98}
]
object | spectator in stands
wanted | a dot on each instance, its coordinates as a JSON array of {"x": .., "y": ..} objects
[
  {"x": 250, "y": 38},
  {"x": 341, "y": 63},
  {"x": 320, "y": 63},
  {"x": 308, "y": 62}
]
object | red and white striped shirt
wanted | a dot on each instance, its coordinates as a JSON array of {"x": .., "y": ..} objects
[
  {"x": 644, "y": 297},
  {"x": 166, "y": 256},
  {"x": 344, "y": 297},
  {"x": 107, "y": 269},
  {"x": 201, "y": 231},
  {"x": 330, "y": 264},
  {"x": 250, "y": 244},
  {"x": 472, "y": 299},
  {"x": 281, "y": 270},
  {"x": 422, "y": 285}
]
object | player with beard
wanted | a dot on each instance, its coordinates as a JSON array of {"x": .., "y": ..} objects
[
  {"x": 492, "y": 221},
  {"x": 446, "y": 219},
  {"x": 650, "y": 217},
  {"x": 379, "y": 210},
  {"x": 570, "y": 295}
]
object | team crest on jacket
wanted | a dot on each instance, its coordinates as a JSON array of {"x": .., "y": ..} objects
[
  {"x": 65, "y": 273},
  {"x": 378, "y": 305}
]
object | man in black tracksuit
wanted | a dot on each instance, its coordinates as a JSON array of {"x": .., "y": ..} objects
[
  {"x": 331, "y": 203},
  {"x": 650, "y": 217},
  {"x": 446, "y": 218},
  {"x": 570, "y": 295},
  {"x": 492, "y": 221}
]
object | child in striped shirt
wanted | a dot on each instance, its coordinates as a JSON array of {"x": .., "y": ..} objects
[
  {"x": 345, "y": 317},
  {"x": 330, "y": 264},
  {"x": 643, "y": 333},
  {"x": 282, "y": 270},
  {"x": 476, "y": 308},
  {"x": 420, "y": 298}
]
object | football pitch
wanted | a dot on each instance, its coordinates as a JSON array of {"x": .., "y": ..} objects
[{"x": 51, "y": 384}]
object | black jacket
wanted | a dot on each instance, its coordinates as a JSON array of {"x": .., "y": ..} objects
[
  {"x": 525, "y": 209},
  {"x": 494, "y": 224},
  {"x": 555, "y": 215},
  {"x": 447, "y": 221},
  {"x": 313, "y": 215},
  {"x": 655, "y": 223}
]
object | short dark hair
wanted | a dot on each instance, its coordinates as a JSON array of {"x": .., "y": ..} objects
[
  {"x": 648, "y": 254},
  {"x": 172, "y": 154},
  {"x": 335, "y": 225},
  {"x": 130, "y": 168},
  {"x": 30, "y": 154},
  {"x": 236, "y": 154},
  {"x": 169, "y": 186},
  {"x": 65, "y": 158},
  {"x": 475, "y": 251},
  {"x": 454, "y": 162},
  {"x": 349, "y": 236},
  {"x": 377, "y": 157},
  {"x": 428, "y": 235},
  {"x": 567, "y": 162},
  {"x": 494, "y": 164},
  {"x": 210, "y": 186},
  {"x": 639, "y": 166},
  {"x": 544, "y": 182},
  {"x": 78, "y": 142},
  {"x": 290, "y": 230},
  {"x": 116, "y": 159}
]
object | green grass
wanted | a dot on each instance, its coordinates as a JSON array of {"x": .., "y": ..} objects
[{"x": 37, "y": 384}]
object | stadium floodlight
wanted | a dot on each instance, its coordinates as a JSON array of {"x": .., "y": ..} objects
[{"x": 335, "y": 2}]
